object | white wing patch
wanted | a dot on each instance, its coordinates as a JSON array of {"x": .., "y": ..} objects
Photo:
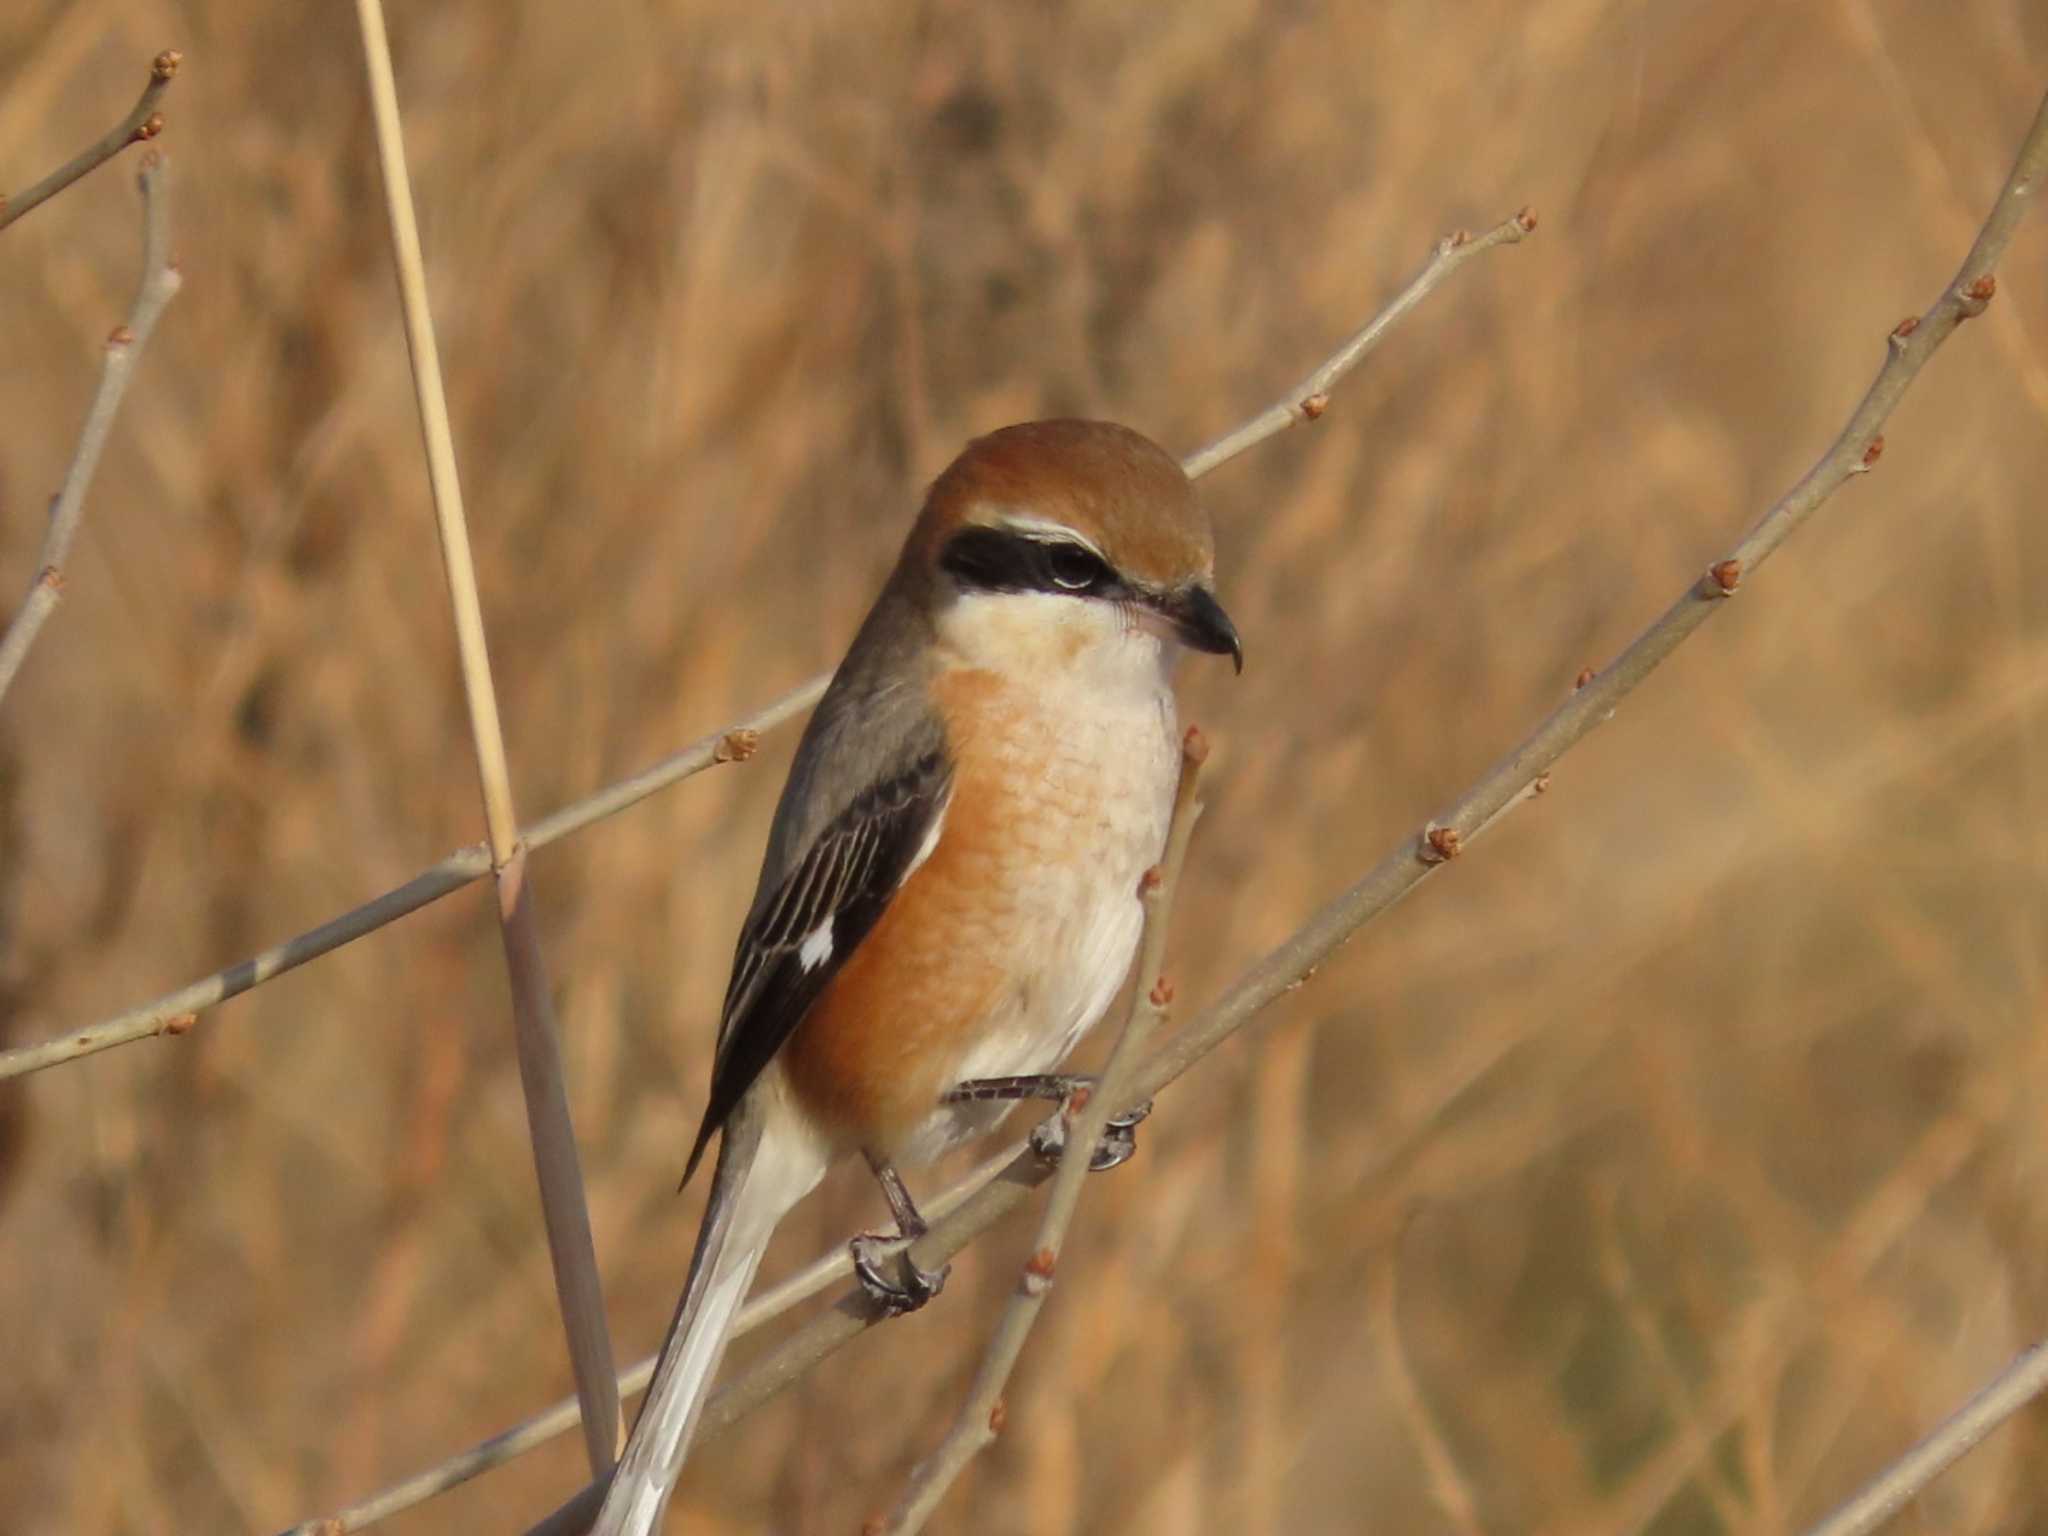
[
  {"x": 817, "y": 946},
  {"x": 931, "y": 840}
]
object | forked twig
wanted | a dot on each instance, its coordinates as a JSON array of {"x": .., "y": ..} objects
[
  {"x": 981, "y": 1415},
  {"x": 555, "y": 1160},
  {"x": 142, "y": 123},
  {"x": 155, "y": 290}
]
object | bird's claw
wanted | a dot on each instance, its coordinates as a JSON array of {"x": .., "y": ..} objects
[
  {"x": 1119, "y": 1139},
  {"x": 889, "y": 1275}
]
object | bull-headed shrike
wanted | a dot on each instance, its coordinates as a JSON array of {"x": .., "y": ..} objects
[{"x": 950, "y": 896}]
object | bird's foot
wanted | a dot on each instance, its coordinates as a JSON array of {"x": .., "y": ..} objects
[
  {"x": 892, "y": 1279},
  {"x": 1119, "y": 1139},
  {"x": 1049, "y": 1138}
]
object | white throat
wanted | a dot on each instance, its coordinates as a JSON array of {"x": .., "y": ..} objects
[{"x": 1097, "y": 646}]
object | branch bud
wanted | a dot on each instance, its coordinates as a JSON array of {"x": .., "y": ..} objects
[
  {"x": 1038, "y": 1272},
  {"x": 1440, "y": 844}
]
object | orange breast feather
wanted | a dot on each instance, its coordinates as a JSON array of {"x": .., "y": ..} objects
[{"x": 955, "y": 949}]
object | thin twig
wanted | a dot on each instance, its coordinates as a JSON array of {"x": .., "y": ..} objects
[
  {"x": 176, "y": 1012},
  {"x": 1522, "y": 773},
  {"x": 1886, "y": 1494},
  {"x": 155, "y": 289},
  {"x": 143, "y": 122},
  {"x": 556, "y": 1164},
  {"x": 981, "y": 1415},
  {"x": 833, "y": 1265},
  {"x": 1311, "y": 397}
]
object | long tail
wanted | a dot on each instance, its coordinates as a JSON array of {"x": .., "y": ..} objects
[{"x": 749, "y": 1195}]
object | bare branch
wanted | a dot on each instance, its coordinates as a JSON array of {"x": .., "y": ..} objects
[
  {"x": 1311, "y": 397},
  {"x": 142, "y": 122},
  {"x": 555, "y": 1161},
  {"x": 980, "y": 1418},
  {"x": 1884, "y": 1496},
  {"x": 175, "y": 1012},
  {"x": 158, "y": 285},
  {"x": 461, "y": 868}
]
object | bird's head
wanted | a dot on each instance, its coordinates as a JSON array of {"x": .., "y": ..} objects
[{"x": 1071, "y": 543}]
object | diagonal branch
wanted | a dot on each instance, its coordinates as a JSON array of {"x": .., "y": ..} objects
[
  {"x": 1521, "y": 773},
  {"x": 1311, "y": 397},
  {"x": 142, "y": 122},
  {"x": 176, "y": 1012},
  {"x": 556, "y": 1165},
  {"x": 981, "y": 1415},
  {"x": 159, "y": 284},
  {"x": 1886, "y": 1494}
]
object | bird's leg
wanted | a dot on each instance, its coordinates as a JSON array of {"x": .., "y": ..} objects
[
  {"x": 909, "y": 1287},
  {"x": 1049, "y": 1137}
]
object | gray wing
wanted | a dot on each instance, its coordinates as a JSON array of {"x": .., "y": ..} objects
[{"x": 866, "y": 791}]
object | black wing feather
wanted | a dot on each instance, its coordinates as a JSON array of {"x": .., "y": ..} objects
[{"x": 847, "y": 877}]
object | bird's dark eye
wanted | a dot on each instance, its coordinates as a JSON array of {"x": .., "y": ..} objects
[{"x": 1074, "y": 569}]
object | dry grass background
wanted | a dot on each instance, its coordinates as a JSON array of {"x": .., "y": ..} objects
[{"x": 1664, "y": 1167}]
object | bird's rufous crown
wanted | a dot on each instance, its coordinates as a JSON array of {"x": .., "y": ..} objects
[{"x": 1112, "y": 488}]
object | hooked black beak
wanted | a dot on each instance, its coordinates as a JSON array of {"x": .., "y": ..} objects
[{"x": 1202, "y": 625}]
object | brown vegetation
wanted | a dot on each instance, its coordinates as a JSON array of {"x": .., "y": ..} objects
[{"x": 1666, "y": 1166}]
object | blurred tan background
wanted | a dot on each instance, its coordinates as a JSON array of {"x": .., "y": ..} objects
[{"x": 1665, "y": 1167}]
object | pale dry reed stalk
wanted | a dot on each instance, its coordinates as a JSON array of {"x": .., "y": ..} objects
[{"x": 556, "y": 1162}]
